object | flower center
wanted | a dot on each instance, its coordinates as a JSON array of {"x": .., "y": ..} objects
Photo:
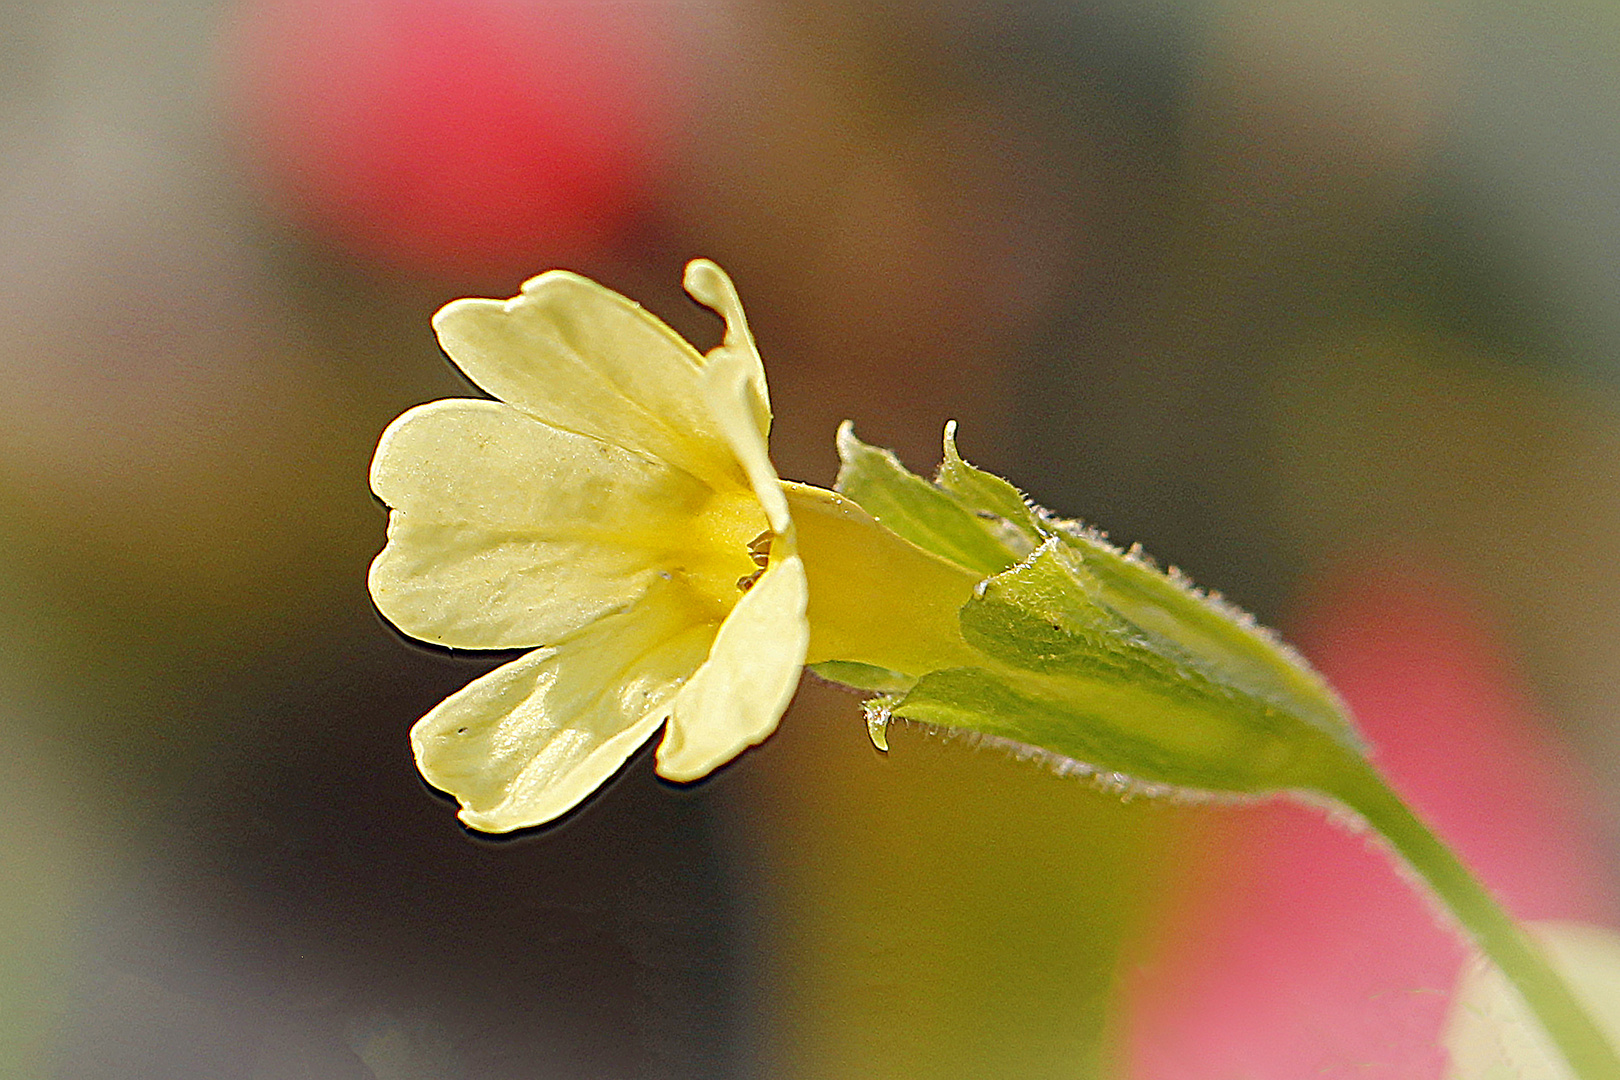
[
  {"x": 726, "y": 551},
  {"x": 759, "y": 549}
]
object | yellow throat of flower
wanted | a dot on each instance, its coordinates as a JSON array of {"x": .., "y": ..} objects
[{"x": 724, "y": 552}]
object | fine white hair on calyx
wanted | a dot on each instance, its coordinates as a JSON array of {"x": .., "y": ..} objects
[{"x": 1127, "y": 787}]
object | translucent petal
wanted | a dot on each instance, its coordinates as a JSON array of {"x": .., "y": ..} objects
[
  {"x": 710, "y": 286},
  {"x": 742, "y": 689},
  {"x": 525, "y": 743},
  {"x": 729, "y": 390},
  {"x": 1490, "y": 1033},
  {"x": 581, "y": 357},
  {"x": 508, "y": 533}
]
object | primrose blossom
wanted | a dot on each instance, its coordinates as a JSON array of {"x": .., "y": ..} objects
[{"x": 616, "y": 512}]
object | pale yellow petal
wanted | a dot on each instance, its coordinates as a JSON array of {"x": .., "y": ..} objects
[
  {"x": 728, "y": 389},
  {"x": 581, "y": 357},
  {"x": 740, "y": 692},
  {"x": 710, "y": 286},
  {"x": 1490, "y": 1033},
  {"x": 526, "y": 742},
  {"x": 508, "y": 533}
]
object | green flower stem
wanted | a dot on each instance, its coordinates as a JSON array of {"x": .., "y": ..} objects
[{"x": 1498, "y": 936}]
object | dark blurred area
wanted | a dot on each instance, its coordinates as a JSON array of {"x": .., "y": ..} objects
[{"x": 1264, "y": 285}]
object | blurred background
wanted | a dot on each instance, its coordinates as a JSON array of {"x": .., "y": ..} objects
[{"x": 1298, "y": 294}]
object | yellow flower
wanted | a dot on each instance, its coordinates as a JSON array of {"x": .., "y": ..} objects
[{"x": 616, "y": 512}]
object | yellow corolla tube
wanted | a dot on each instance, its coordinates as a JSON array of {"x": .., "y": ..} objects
[
  {"x": 616, "y": 512},
  {"x": 875, "y": 597}
]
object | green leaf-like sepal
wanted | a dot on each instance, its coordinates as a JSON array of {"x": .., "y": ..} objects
[
  {"x": 935, "y": 518},
  {"x": 1070, "y": 675},
  {"x": 868, "y": 677},
  {"x": 988, "y": 495},
  {"x": 1205, "y": 634}
]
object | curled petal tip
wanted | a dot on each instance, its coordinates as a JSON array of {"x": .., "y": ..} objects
[{"x": 709, "y": 285}]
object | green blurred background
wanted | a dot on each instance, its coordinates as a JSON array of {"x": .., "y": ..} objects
[{"x": 1262, "y": 285}]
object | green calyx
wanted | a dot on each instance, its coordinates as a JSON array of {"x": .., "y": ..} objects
[
  {"x": 1091, "y": 654},
  {"x": 952, "y": 518}
]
